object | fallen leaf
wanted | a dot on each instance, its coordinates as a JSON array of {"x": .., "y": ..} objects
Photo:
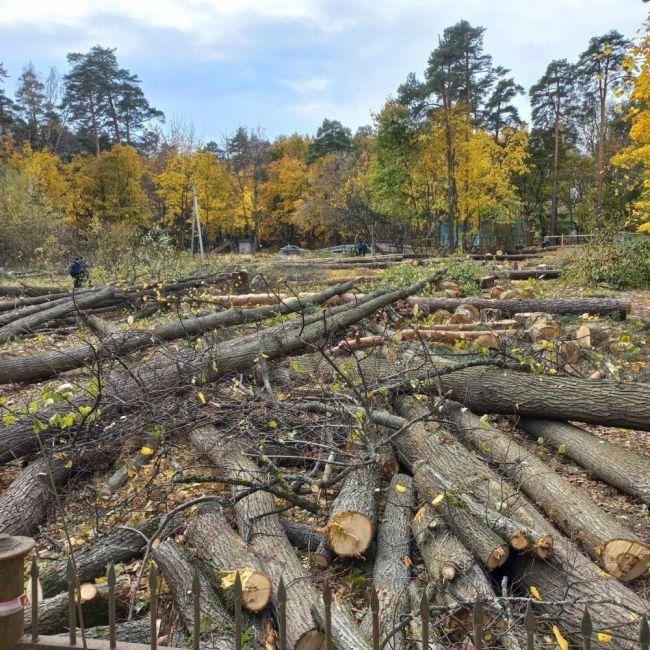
[
  {"x": 561, "y": 641},
  {"x": 146, "y": 451},
  {"x": 535, "y": 593}
]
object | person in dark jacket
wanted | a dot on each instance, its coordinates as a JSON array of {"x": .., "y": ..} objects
[{"x": 78, "y": 270}]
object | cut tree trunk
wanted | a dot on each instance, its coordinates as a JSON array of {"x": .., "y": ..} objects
[
  {"x": 602, "y": 306},
  {"x": 47, "y": 364},
  {"x": 486, "y": 546},
  {"x": 391, "y": 575},
  {"x": 617, "y": 466},
  {"x": 351, "y": 523},
  {"x": 26, "y": 324},
  {"x": 155, "y": 380},
  {"x": 26, "y": 290},
  {"x": 125, "y": 632},
  {"x": 616, "y": 547},
  {"x": 25, "y": 503},
  {"x": 573, "y": 575},
  {"x": 512, "y": 257},
  {"x": 261, "y": 527},
  {"x": 592, "y": 336},
  {"x": 117, "y": 546},
  {"x": 224, "y": 554},
  {"x": 217, "y": 627},
  {"x": 53, "y": 612},
  {"x": 345, "y": 632}
]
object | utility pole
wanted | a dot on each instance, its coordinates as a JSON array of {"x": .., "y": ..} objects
[{"x": 196, "y": 220}]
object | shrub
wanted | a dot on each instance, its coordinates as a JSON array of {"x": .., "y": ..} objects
[{"x": 614, "y": 265}]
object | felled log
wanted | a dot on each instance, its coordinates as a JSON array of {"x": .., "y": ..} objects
[
  {"x": 391, "y": 575},
  {"x": 138, "y": 631},
  {"x": 345, "y": 632},
  {"x": 448, "y": 561},
  {"x": 617, "y": 466},
  {"x": 521, "y": 274},
  {"x": 602, "y": 306},
  {"x": 351, "y": 523},
  {"x": 53, "y": 612},
  {"x": 616, "y": 547},
  {"x": 26, "y": 324},
  {"x": 47, "y": 364},
  {"x": 224, "y": 554},
  {"x": 486, "y": 546},
  {"x": 592, "y": 336},
  {"x": 24, "y": 504},
  {"x": 260, "y": 526},
  {"x": 572, "y": 573},
  {"x": 217, "y": 626},
  {"x": 511, "y": 257},
  {"x": 26, "y": 290},
  {"x": 119, "y": 545}
]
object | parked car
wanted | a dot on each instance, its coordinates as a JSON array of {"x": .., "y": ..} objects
[{"x": 291, "y": 249}]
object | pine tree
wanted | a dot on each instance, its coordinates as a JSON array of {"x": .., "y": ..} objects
[{"x": 30, "y": 102}]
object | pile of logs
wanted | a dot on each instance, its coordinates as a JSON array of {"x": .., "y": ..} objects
[{"x": 381, "y": 447}]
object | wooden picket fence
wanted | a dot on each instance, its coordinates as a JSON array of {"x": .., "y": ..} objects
[{"x": 35, "y": 642}]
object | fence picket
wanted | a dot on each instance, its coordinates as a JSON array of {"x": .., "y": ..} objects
[
  {"x": 424, "y": 615},
  {"x": 586, "y": 629},
  {"x": 530, "y": 625},
  {"x": 196, "y": 595},
  {"x": 236, "y": 598},
  {"x": 644, "y": 634},
  {"x": 374, "y": 612},
  {"x": 478, "y": 625},
  {"x": 110, "y": 579},
  {"x": 327, "y": 601},
  {"x": 72, "y": 613},
  {"x": 282, "y": 614},
  {"x": 34, "y": 575},
  {"x": 153, "y": 606}
]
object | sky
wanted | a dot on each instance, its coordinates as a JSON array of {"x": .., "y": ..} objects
[{"x": 284, "y": 65}]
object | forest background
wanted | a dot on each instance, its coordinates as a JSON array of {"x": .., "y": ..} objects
[{"x": 86, "y": 162}]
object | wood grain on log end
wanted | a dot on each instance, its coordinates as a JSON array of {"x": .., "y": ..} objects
[
  {"x": 256, "y": 591},
  {"x": 626, "y": 559},
  {"x": 544, "y": 547},
  {"x": 497, "y": 557},
  {"x": 349, "y": 534}
]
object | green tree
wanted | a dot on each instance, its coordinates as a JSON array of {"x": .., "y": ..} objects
[
  {"x": 331, "y": 137},
  {"x": 499, "y": 113},
  {"x": 553, "y": 100},
  {"x": 7, "y": 106},
  {"x": 601, "y": 71},
  {"x": 30, "y": 103}
]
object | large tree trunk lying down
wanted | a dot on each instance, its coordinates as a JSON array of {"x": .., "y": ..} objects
[
  {"x": 571, "y": 572},
  {"x": 521, "y": 274},
  {"x": 217, "y": 627},
  {"x": 613, "y": 545},
  {"x": 345, "y": 632},
  {"x": 53, "y": 612},
  {"x": 39, "y": 302},
  {"x": 504, "y": 257},
  {"x": 120, "y": 545},
  {"x": 25, "y": 503},
  {"x": 458, "y": 574},
  {"x": 476, "y": 535},
  {"x": 25, "y": 325},
  {"x": 47, "y": 364},
  {"x": 155, "y": 379},
  {"x": 602, "y": 306},
  {"x": 391, "y": 576},
  {"x": 260, "y": 525},
  {"x": 26, "y": 290},
  {"x": 224, "y": 554},
  {"x": 617, "y": 466},
  {"x": 125, "y": 632},
  {"x": 251, "y": 299},
  {"x": 38, "y": 305},
  {"x": 351, "y": 523}
]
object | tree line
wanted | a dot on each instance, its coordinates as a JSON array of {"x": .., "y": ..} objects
[{"x": 447, "y": 157}]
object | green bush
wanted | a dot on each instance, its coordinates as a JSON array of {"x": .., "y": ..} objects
[
  {"x": 466, "y": 273},
  {"x": 612, "y": 265}
]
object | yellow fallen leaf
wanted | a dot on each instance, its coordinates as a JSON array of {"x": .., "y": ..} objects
[
  {"x": 201, "y": 396},
  {"x": 228, "y": 578},
  {"x": 68, "y": 465},
  {"x": 399, "y": 488},
  {"x": 146, "y": 451},
  {"x": 438, "y": 500},
  {"x": 561, "y": 641},
  {"x": 605, "y": 637},
  {"x": 535, "y": 593}
]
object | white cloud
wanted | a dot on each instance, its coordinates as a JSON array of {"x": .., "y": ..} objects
[{"x": 314, "y": 85}]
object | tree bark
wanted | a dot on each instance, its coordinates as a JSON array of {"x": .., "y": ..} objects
[
  {"x": 391, "y": 575},
  {"x": 345, "y": 632},
  {"x": 216, "y": 625},
  {"x": 117, "y": 546},
  {"x": 512, "y": 257},
  {"x": 47, "y": 364},
  {"x": 26, "y": 324},
  {"x": 617, "y": 466},
  {"x": 26, "y": 290},
  {"x": 224, "y": 554},
  {"x": 602, "y": 306},
  {"x": 260, "y": 526},
  {"x": 155, "y": 380},
  {"x": 351, "y": 522},
  {"x": 616, "y": 547}
]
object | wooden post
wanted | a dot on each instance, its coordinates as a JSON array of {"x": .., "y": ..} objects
[{"x": 12, "y": 586}]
